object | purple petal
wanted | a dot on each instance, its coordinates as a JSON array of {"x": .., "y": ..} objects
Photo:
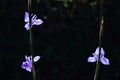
[
  {"x": 104, "y": 60},
  {"x": 34, "y": 18},
  {"x": 102, "y": 53},
  {"x": 91, "y": 59},
  {"x": 96, "y": 51},
  {"x": 29, "y": 69},
  {"x": 27, "y": 26},
  {"x": 29, "y": 58},
  {"x": 25, "y": 57},
  {"x": 24, "y": 65},
  {"x": 26, "y": 17},
  {"x": 36, "y": 58},
  {"x": 29, "y": 63},
  {"x": 37, "y": 22}
]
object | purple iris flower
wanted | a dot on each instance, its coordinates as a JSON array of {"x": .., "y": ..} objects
[
  {"x": 28, "y": 63},
  {"x": 103, "y": 60},
  {"x": 34, "y": 20}
]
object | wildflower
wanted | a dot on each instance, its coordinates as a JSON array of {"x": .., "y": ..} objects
[
  {"x": 34, "y": 20},
  {"x": 28, "y": 63},
  {"x": 103, "y": 60}
]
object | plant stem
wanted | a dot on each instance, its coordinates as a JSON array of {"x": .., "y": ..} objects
[
  {"x": 31, "y": 38},
  {"x": 100, "y": 40}
]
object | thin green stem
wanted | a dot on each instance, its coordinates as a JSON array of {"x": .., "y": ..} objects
[
  {"x": 100, "y": 40},
  {"x": 96, "y": 71},
  {"x": 31, "y": 38}
]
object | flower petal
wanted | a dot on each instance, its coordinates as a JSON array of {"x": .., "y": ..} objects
[
  {"x": 104, "y": 60},
  {"x": 25, "y": 57},
  {"x": 27, "y": 26},
  {"x": 29, "y": 58},
  {"x": 96, "y": 51},
  {"x": 102, "y": 52},
  {"x": 29, "y": 69},
  {"x": 36, "y": 58},
  {"x": 91, "y": 59},
  {"x": 28, "y": 63},
  {"x": 37, "y": 22},
  {"x": 34, "y": 17},
  {"x": 26, "y": 17},
  {"x": 24, "y": 65}
]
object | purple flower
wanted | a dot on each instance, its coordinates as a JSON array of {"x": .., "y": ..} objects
[
  {"x": 28, "y": 63},
  {"x": 34, "y": 20},
  {"x": 103, "y": 60}
]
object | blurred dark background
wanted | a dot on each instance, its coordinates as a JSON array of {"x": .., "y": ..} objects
[{"x": 68, "y": 36}]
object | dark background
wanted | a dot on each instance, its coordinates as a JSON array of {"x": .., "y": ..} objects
[{"x": 68, "y": 36}]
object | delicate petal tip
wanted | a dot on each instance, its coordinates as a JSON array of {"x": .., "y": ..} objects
[
  {"x": 91, "y": 59},
  {"x": 104, "y": 61},
  {"x": 36, "y": 58}
]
